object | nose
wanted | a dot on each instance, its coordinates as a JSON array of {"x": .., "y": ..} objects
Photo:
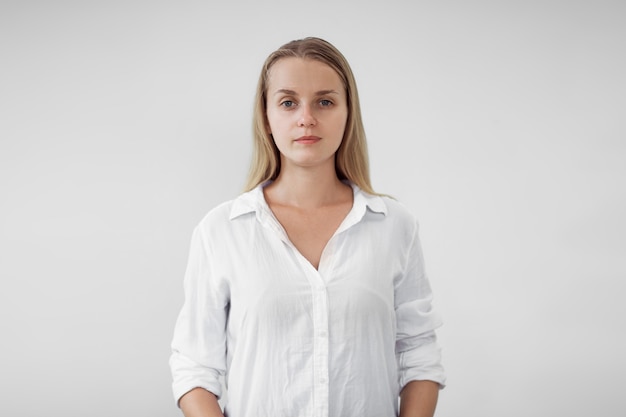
[{"x": 306, "y": 118}]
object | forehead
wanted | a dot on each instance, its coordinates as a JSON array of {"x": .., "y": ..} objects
[{"x": 301, "y": 75}]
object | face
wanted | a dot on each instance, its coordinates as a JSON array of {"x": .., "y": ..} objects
[{"x": 306, "y": 112}]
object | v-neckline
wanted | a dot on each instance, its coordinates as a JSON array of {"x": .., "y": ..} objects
[{"x": 285, "y": 235}]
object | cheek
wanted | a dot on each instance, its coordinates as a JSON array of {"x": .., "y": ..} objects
[
  {"x": 342, "y": 122},
  {"x": 273, "y": 122}
]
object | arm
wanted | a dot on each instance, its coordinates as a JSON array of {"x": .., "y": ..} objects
[
  {"x": 419, "y": 399},
  {"x": 199, "y": 345},
  {"x": 421, "y": 374},
  {"x": 200, "y": 403}
]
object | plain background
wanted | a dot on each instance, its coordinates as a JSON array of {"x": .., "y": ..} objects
[{"x": 501, "y": 124}]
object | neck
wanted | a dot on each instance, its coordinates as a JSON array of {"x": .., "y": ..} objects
[{"x": 307, "y": 188}]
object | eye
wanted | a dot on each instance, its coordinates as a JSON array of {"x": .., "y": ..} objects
[
  {"x": 326, "y": 103},
  {"x": 287, "y": 103}
]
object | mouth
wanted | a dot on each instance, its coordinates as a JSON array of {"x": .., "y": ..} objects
[{"x": 308, "y": 139}]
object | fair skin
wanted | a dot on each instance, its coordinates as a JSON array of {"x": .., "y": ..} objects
[
  {"x": 306, "y": 112},
  {"x": 419, "y": 399},
  {"x": 200, "y": 403}
]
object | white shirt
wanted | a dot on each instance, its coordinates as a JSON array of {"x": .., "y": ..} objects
[{"x": 293, "y": 341}]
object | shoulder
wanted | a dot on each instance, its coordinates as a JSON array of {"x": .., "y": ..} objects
[
  {"x": 397, "y": 209},
  {"x": 225, "y": 216},
  {"x": 394, "y": 211},
  {"x": 217, "y": 214},
  {"x": 216, "y": 219},
  {"x": 391, "y": 215},
  {"x": 400, "y": 217}
]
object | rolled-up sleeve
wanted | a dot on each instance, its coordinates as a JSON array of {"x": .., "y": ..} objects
[
  {"x": 417, "y": 351},
  {"x": 199, "y": 344}
]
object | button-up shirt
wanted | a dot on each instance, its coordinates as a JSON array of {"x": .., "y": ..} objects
[{"x": 290, "y": 340}]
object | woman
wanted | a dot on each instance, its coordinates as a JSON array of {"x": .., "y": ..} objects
[{"x": 307, "y": 292}]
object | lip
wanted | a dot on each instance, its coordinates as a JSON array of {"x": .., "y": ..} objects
[{"x": 308, "y": 139}]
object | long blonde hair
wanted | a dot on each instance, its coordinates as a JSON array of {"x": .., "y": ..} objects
[{"x": 351, "y": 159}]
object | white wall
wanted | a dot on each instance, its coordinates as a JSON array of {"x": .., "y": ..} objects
[{"x": 500, "y": 123}]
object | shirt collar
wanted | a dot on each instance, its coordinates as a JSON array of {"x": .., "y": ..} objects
[{"x": 254, "y": 201}]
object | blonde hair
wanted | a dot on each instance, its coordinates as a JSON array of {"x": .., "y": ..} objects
[{"x": 351, "y": 160}]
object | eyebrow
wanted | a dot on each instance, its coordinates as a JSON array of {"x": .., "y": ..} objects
[{"x": 293, "y": 93}]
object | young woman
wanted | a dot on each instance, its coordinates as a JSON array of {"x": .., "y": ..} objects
[{"x": 307, "y": 293}]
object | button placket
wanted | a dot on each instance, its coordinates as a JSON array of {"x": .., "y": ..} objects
[{"x": 320, "y": 347}]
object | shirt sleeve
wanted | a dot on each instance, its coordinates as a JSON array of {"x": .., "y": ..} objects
[
  {"x": 199, "y": 344},
  {"x": 417, "y": 351}
]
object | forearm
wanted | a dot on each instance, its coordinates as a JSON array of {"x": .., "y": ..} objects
[
  {"x": 419, "y": 399},
  {"x": 200, "y": 403}
]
